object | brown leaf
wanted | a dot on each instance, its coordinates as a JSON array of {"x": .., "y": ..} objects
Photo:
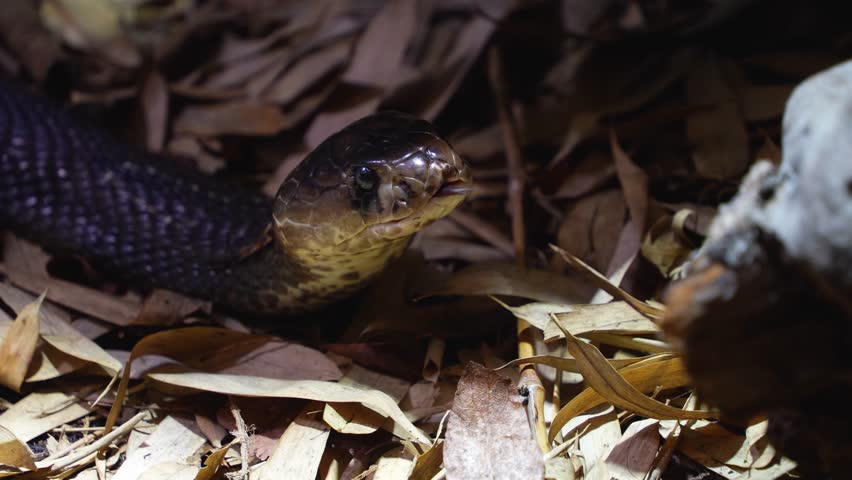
[
  {"x": 625, "y": 387},
  {"x": 27, "y": 264},
  {"x": 715, "y": 129},
  {"x": 604, "y": 284},
  {"x": 389, "y": 32},
  {"x": 663, "y": 246},
  {"x": 155, "y": 107},
  {"x": 234, "y": 118},
  {"x": 299, "y": 450},
  {"x": 307, "y": 72},
  {"x": 634, "y": 183},
  {"x": 428, "y": 464},
  {"x": 488, "y": 435},
  {"x": 23, "y": 32},
  {"x": 14, "y": 454},
  {"x": 164, "y": 307},
  {"x": 248, "y": 386},
  {"x": 591, "y": 227},
  {"x": 590, "y": 173},
  {"x": 17, "y": 349},
  {"x": 57, "y": 333},
  {"x": 505, "y": 279}
]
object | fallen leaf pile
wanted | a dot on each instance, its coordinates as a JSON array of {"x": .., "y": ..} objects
[{"x": 516, "y": 339}]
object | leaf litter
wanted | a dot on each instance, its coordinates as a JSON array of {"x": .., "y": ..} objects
[{"x": 623, "y": 137}]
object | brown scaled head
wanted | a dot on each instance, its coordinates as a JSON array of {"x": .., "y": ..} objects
[{"x": 379, "y": 180}]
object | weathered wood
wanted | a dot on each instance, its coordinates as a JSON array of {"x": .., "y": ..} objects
[{"x": 765, "y": 315}]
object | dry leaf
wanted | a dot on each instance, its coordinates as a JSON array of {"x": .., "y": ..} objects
[
  {"x": 357, "y": 419},
  {"x": 94, "y": 24},
  {"x": 715, "y": 129},
  {"x": 591, "y": 227},
  {"x": 665, "y": 244},
  {"x": 389, "y": 32},
  {"x": 38, "y": 413},
  {"x": 27, "y": 269},
  {"x": 632, "y": 457},
  {"x": 234, "y": 118},
  {"x": 19, "y": 345},
  {"x": 603, "y": 283},
  {"x": 428, "y": 464},
  {"x": 505, "y": 279},
  {"x": 308, "y": 72},
  {"x": 56, "y": 331},
  {"x": 15, "y": 456},
  {"x": 626, "y": 387},
  {"x": 175, "y": 440},
  {"x": 488, "y": 435},
  {"x": 299, "y": 450},
  {"x": 247, "y": 386}
]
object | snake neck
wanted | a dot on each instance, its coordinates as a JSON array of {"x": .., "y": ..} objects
[
  {"x": 329, "y": 276},
  {"x": 303, "y": 280}
]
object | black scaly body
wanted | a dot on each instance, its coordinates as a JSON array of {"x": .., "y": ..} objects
[{"x": 74, "y": 189}]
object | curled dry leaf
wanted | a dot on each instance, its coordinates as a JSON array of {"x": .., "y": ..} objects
[
  {"x": 614, "y": 317},
  {"x": 427, "y": 465},
  {"x": 221, "y": 350},
  {"x": 15, "y": 456},
  {"x": 242, "y": 385},
  {"x": 506, "y": 279},
  {"x": 357, "y": 419},
  {"x": 165, "y": 307},
  {"x": 56, "y": 331},
  {"x": 19, "y": 345},
  {"x": 665, "y": 371},
  {"x": 603, "y": 283},
  {"x": 40, "y": 412},
  {"x": 605, "y": 380},
  {"x": 233, "y": 118},
  {"x": 174, "y": 441},
  {"x": 633, "y": 456},
  {"x": 203, "y": 347},
  {"x": 570, "y": 365},
  {"x": 27, "y": 269},
  {"x": 488, "y": 435},
  {"x": 666, "y": 244},
  {"x": 91, "y": 24},
  {"x": 299, "y": 451}
]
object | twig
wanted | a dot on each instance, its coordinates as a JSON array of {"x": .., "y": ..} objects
[
  {"x": 484, "y": 231},
  {"x": 100, "y": 443},
  {"x": 531, "y": 383},
  {"x": 513, "y": 154},
  {"x": 244, "y": 436}
]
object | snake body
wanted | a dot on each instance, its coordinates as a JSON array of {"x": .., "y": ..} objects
[{"x": 349, "y": 208}]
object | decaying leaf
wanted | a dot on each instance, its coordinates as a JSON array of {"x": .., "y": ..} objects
[{"x": 488, "y": 435}]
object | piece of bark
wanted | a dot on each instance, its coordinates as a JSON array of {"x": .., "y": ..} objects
[{"x": 765, "y": 316}]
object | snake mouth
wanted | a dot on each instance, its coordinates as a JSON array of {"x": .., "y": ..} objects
[{"x": 458, "y": 187}]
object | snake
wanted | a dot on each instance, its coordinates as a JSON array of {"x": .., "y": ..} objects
[{"x": 338, "y": 219}]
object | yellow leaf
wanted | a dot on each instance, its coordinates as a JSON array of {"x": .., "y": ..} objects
[{"x": 623, "y": 389}]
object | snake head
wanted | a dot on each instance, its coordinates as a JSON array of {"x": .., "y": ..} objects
[{"x": 377, "y": 181}]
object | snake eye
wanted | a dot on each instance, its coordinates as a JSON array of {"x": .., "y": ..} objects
[{"x": 365, "y": 178}]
